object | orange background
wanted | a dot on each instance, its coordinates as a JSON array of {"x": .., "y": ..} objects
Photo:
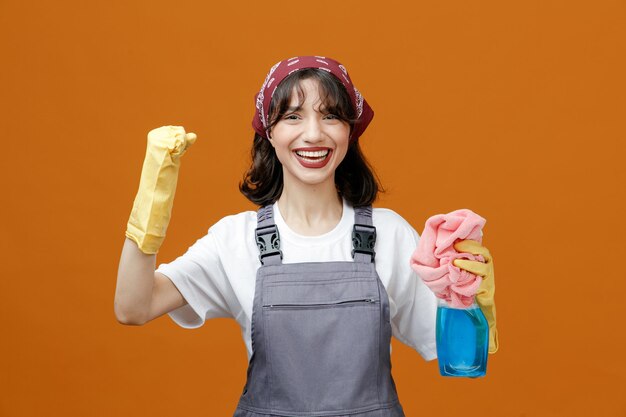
[{"x": 527, "y": 97}]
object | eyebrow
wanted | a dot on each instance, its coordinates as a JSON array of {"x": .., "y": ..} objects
[{"x": 296, "y": 108}]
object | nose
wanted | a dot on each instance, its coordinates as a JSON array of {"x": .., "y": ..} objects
[{"x": 312, "y": 130}]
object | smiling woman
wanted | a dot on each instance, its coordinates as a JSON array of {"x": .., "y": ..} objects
[{"x": 315, "y": 268}]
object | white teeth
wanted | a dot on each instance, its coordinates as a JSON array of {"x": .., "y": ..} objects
[{"x": 313, "y": 154}]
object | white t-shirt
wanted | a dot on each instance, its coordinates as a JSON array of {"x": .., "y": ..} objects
[{"x": 217, "y": 274}]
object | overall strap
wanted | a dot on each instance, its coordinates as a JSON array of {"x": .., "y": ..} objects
[
  {"x": 267, "y": 238},
  {"x": 363, "y": 235}
]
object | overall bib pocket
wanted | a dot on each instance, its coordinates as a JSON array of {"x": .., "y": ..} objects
[{"x": 315, "y": 371}]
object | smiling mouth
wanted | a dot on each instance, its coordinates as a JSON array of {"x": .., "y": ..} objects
[{"x": 313, "y": 156}]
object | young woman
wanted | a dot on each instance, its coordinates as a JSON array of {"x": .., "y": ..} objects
[{"x": 317, "y": 279}]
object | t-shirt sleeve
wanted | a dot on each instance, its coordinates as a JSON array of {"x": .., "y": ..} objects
[
  {"x": 199, "y": 276},
  {"x": 415, "y": 319}
]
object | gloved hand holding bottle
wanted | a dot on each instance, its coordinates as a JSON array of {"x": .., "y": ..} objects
[
  {"x": 152, "y": 207},
  {"x": 486, "y": 290},
  {"x": 452, "y": 262}
]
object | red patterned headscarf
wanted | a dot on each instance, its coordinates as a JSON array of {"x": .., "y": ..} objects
[{"x": 284, "y": 68}]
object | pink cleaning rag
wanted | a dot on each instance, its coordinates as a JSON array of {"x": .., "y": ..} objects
[{"x": 432, "y": 260}]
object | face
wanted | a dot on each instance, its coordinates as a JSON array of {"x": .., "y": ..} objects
[{"x": 309, "y": 142}]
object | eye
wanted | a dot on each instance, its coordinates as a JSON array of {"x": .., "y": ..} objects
[
  {"x": 332, "y": 116},
  {"x": 290, "y": 117}
]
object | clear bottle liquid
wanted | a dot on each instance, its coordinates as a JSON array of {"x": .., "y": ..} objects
[{"x": 462, "y": 340}]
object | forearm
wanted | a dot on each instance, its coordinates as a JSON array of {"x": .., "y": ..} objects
[{"x": 135, "y": 283}]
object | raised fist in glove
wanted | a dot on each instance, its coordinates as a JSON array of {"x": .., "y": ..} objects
[
  {"x": 487, "y": 288},
  {"x": 152, "y": 208}
]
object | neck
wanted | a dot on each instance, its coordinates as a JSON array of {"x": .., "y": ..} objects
[{"x": 311, "y": 209}]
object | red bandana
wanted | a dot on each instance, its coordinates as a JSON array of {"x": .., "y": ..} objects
[{"x": 282, "y": 69}]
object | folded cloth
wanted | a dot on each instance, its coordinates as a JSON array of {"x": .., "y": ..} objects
[{"x": 433, "y": 258}]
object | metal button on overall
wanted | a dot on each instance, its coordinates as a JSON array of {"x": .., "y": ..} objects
[{"x": 320, "y": 333}]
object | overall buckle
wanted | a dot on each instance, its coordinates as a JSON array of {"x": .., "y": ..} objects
[
  {"x": 268, "y": 242},
  {"x": 363, "y": 239}
]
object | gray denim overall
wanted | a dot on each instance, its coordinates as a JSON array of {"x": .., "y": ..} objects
[{"x": 320, "y": 333}]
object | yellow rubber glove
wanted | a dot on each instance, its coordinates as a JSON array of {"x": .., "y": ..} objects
[
  {"x": 152, "y": 208},
  {"x": 487, "y": 288}
]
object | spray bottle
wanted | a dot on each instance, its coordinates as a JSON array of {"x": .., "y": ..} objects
[{"x": 462, "y": 340}]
